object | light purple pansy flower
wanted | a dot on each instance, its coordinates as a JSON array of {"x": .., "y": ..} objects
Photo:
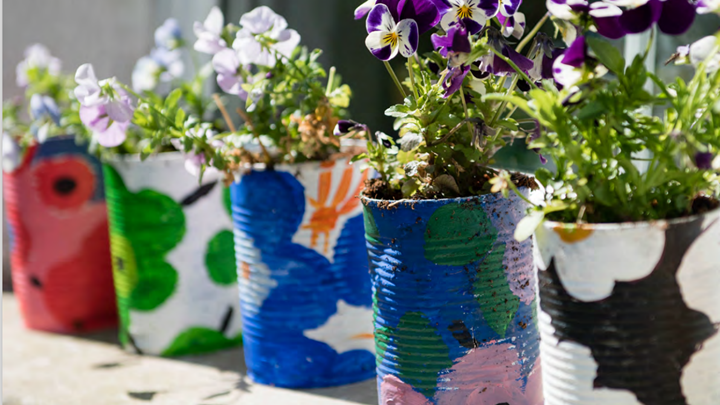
[
  {"x": 168, "y": 35},
  {"x": 492, "y": 64},
  {"x": 195, "y": 161},
  {"x": 705, "y": 50},
  {"x": 424, "y": 12},
  {"x": 162, "y": 65},
  {"x": 37, "y": 56},
  {"x": 209, "y": 33},
  {"x": 386, "y": 38},
  {"x": 227, "y": 65},
  {"x": 105, "y": 108},
  {"x": 514, "y": 26},
  {"x": 262, "y": 23},
  {"x": 44, "y": 106}
]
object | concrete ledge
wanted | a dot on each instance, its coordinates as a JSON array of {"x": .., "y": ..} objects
[{"x": 46, "y": 369}]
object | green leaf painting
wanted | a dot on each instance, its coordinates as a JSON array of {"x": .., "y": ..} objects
[
  {"x": 220, "y": 259},
  {"x": 492, "y": 291},
  {"x": 423, "y": 355},
  {"x": 144, "y": 227},
  {"x": 200, "y": 340},
  {"x": 458, "y": 234},
  {"x": 371, "y": 230}
]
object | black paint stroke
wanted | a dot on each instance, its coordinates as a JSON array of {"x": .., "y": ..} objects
[
  {"x": 143, "y": 396},
  {"x": 461, "y": 333},
  {"x": 644, "y": 334},
  {"x": 133, "y": 344},
  {"x": 198, "y": 194},
  {"x": 36, "y": 282},
  {"x": 226, "y": 320}
]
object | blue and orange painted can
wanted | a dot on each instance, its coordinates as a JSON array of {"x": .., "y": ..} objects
[
  {"x": 60, "y": 253},
  {"x": 302, "y": 269},
  {"x": 454, "y": 302}
]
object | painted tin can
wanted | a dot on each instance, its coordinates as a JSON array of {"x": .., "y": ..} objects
[
  {"x": 453, "y": 295},
  {"x": 173, "y": 257},
  {"x": 60, "y": 254},
  {"x": 304, "y": 286},
  {"x": 629, "y": 313}
]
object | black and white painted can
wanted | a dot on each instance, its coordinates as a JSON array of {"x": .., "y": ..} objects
[{"x": 629, "y": 313}]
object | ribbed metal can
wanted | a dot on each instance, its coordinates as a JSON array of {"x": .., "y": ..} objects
[
  {"x": 173, "y": 257},
  {"x": 60, "y": 257},
  {"x": 629, "y": 313},
  {"x": 454, "y": 302},
  {"x": 302, "y": 270}
]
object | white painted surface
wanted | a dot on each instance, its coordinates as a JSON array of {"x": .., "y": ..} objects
[
  {"x": 350, "y": 328},
  {"x": 197, "y": 301}
]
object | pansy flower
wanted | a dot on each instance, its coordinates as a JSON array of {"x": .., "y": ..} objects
[
  {"x": 673, "y": 17},
  {"x": 37, "y": 56},
  {"x": 43, "y": 106},
  {"x": 169, "y": 35},
  {"x": 364, "y": 9},
  {"x": 455, "y": 45},
  {"x": 567, "y": 9},
  {"x": 454, "y": 79},
  {"x": 545, "y": 53},
  {"x": 708, "y": 6},
  {"x": 704, "y": 160},
  {"x": 209, "y": 33},
  {"x": 161, "y": 65},
  {"x": 227, "y": 65},
  {"x": 473, "y": 14},
  {"x": 105, "y": 108},
  {"x": 423, "y": 12},
  {"x": 492, "y": 64},
  {"x": 513, "y": 26},
  {"x": 346, "y": 127},
  {"x": 576, "y": 64},
  {"x": 264, "y": 38},
  {"x": 703, "y": 50},
  {"x": 386, "y": 38}
]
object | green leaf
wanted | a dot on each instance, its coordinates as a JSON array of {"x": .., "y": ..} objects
[
  {"x": 180, "y": 118},
  {"x": 397, "y": 111},
  {"x": 527, "y": 226},
  {"x": 410, "y": 141},
  {"x": 606, "y": 53},
  {"x": 171, "y": 102}
]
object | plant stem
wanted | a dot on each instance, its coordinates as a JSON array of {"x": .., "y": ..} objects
[
  {"x": 531, "y": 35},
  {"x": 504, "y": 103},
  {"x": 519, "y": 194},
  {"x": 223, "y": 110},
  {"x": 249, "y": 123},
  {"x": 395, "y": 79},
  {"x": 412, "y": 78},
  {"x": 467, "y": 116},
  {"x": 331, "y": 80}
]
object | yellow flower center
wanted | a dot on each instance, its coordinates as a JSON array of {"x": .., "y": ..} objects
[
  {"x": 391, "y": 39},
  {"x": 464, "y": 12}
]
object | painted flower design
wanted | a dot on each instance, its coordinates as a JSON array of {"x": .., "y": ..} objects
[
  {"x": 105, "y": 108},
  {"x": 64, "y": 183},
  {"x": 264, "y": 38},
  {"x": 209, "y": 33},
  {"x": 386, "y": 38}
]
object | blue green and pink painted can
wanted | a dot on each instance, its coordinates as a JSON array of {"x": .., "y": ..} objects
[{"x": 454, "y": 302}]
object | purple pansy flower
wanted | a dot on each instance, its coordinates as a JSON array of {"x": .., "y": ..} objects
[
  {"x": 473, "y": 14},
  {"x": 259, "y": 26},
  {"x": 454, "y": 80},
  {"x": 41, "y": 106},
  {"x": 567, "y": 9},
  {"x": 536, "y": 135},
  {"x": 109, "y": 133},
  {"x": 209, "y": 33},
  {"x": 513, "y": 26},
  {"x": 545, "y": 55},
  {"x": 708, "y": 6},
  {"x": 703, "y": 50},
  {"x": 345, "y": 127},
  {"x": 492, "y": 64},
  {"x": 227, "y": 65},
  {"x": 423, "y": 12},
  {"x": 364, "y": 9},
  {"x": 704, "y": 160},
  {"x": 673, "y": 17},
  {"x": 572, "y": 67},
  {"x": 386, "y": 38},
  {"x": 168, "y": 35},
  {"x": 455, "y": 45}
]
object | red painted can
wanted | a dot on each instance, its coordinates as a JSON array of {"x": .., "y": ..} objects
[{"x": 60, "y": 255}]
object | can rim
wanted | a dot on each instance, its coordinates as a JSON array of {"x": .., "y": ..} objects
[
  {"x": 659, "y": 223},
  {"x": 407, "y": 202}
]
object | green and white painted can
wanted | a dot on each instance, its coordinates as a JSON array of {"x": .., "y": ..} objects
[{"x": 173, "y": 257}]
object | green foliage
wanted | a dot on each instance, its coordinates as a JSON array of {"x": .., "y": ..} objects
[{"x": 600, "y": 132}]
